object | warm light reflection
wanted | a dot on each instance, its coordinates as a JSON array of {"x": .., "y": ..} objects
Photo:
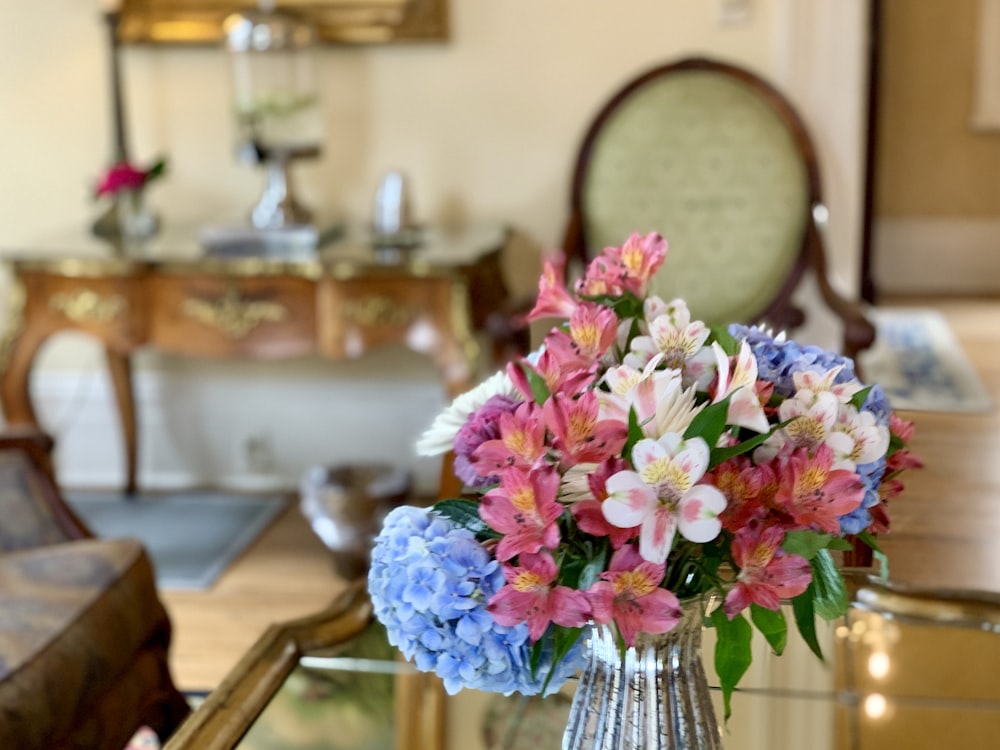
[
  {"x": 878, "y": 664},
  {"x": 875, "y": 706}
]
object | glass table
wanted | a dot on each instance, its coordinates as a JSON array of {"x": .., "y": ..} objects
[{"x": 904, "y": 669}]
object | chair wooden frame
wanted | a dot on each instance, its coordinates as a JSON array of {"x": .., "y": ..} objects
[{"x": 781, "y": 313}]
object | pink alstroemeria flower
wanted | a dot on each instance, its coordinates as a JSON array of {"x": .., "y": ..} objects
[
  {"x": 525, "y": 510},
  {"x": 579, "y": 434},
  {"x": 814, "y": 493},
  {"x": 530, "y": 597},
  {"x": 521, "y": 442},
  {"x": 593, "y": 329},
  {"x": 766, "y": 573},
  {"x": 630, "y": 596},
  {"x": 559, "y": 365},
  {"x": 749, "y": 491},
  {"x": 554, "y": 301},
  {"x": 639, "y": 258},
  {"x": 662, "y": 495}
]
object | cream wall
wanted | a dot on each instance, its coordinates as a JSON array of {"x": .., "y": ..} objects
[
  {"x": 937, "y": 197},
  {"x": 485, "y": 126}
]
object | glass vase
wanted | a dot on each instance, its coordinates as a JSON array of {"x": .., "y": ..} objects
[{"x": 655, "y": 696}]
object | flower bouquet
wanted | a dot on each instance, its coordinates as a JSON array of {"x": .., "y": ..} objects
[{"x": 637, "y": 461}]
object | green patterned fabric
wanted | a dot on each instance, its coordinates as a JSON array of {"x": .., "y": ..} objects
[{"x": 699, "y": 158}]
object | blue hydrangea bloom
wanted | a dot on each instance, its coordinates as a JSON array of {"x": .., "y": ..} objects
[
  {"x": 777, "y": 360},
  {"x": 429, "y": 583}
]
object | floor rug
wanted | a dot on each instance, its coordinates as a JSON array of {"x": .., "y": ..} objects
[
  {"x": 920, "y": 364},
  {"x": 191, "y": 536}
]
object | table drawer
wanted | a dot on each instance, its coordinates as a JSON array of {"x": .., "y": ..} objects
[
  {"x": 109, "y": 308},
  {"x": 226, "y": 316}
]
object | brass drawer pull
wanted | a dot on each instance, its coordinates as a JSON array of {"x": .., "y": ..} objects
[
  {"x": 88, "y": 306},
  {"x": 233, "y": 315}
]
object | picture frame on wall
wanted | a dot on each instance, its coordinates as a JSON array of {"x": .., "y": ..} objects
[{"x": 193, "y": 22}]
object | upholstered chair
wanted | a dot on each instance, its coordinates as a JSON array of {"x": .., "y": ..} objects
[
  {"x": 717, "y": 161},
  {"x": 84, "y": 638}
]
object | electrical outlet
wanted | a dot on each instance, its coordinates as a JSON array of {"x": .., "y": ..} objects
[
  {"x": 258, "y": 453},
  {"x": 734, "y": 12}
]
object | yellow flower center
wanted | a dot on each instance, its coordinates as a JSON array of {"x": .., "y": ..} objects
[
  {"x": 587, "y": 337},
  {"x": 633, "y": 259},
  {"x": 811, "y": 480},
  {"x": 527, "y": 581},
  {"x": 666, "y": 473},
  {"x": 581, "y": 427},
  {"x": 519, "y": 443},
  {"x": 523, "y": 499},
  {"x": 633, "y": 584},
  {"x": 805, "y": 431}
]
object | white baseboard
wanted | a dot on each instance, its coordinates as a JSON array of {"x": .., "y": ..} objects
[
  {"x": 194, "y": 423},
  {"x": 937, "y": 256}
]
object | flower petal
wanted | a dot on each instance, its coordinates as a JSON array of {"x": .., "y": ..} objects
[
  {"x": 629, "y": 500},
  {"x": 699, "y": 513}
]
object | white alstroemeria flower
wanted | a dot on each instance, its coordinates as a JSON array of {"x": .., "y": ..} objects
[
  {"x": 672, "y": 333},
  {"x": 575, "y": 484},
  {"x": 659, "y": 398},
  {"x": 813, "y": 416},
  {"x": 739, "y": 382},
  {"x": 808, "y": 383},
  {"x": 440, "y": 436},
  {"x": 663, "y": 496},
  {"x": 856, "y": 438}
]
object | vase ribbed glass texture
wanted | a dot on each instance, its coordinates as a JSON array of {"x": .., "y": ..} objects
[{"x": 654, "y": 697}]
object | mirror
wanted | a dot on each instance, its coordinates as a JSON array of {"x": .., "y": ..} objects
[{"x": 338, "y": 21}]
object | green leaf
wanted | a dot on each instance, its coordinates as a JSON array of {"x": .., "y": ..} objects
[
  {"x": 772, "y": 626},
  {"x": 719, "y": 455},
  {"x": 805, "y": 620},
  {"x": 868, "y": 538},
  {"x": 830, "y": 595},
  {"x": 839, "y": 543},
  {"x": 805, "y": 543},
  {"x": 465, "y": 514},
  {"x": 539, "y": 390},
  {"x": 709, "y": 423},
  {"x": 592, "y": 571},
  {"x": 732, "y": 653},
  {"x": 896, "y": 443},
  {"x": 726, "y": 340},
  {"x": 858, "y": 399},
  {"x": 158, "y": 169},
  {"x": 635, "y": 433}
]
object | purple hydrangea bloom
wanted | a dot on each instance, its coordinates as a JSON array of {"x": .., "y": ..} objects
[
  {"x": 482, "y": 425},
  {"x": 429, "y": 583}
]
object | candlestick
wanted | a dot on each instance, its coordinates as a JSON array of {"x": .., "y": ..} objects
[{"x": 119, "y": 135}]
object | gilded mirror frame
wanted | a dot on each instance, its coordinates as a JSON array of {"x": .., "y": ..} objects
[{"x": 182, "y": 22}]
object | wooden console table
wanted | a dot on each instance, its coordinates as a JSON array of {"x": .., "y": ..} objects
[{"x": 339, "y": 302}]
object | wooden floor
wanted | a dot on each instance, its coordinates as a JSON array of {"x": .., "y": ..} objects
[{"x": 946, "y": 529}]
